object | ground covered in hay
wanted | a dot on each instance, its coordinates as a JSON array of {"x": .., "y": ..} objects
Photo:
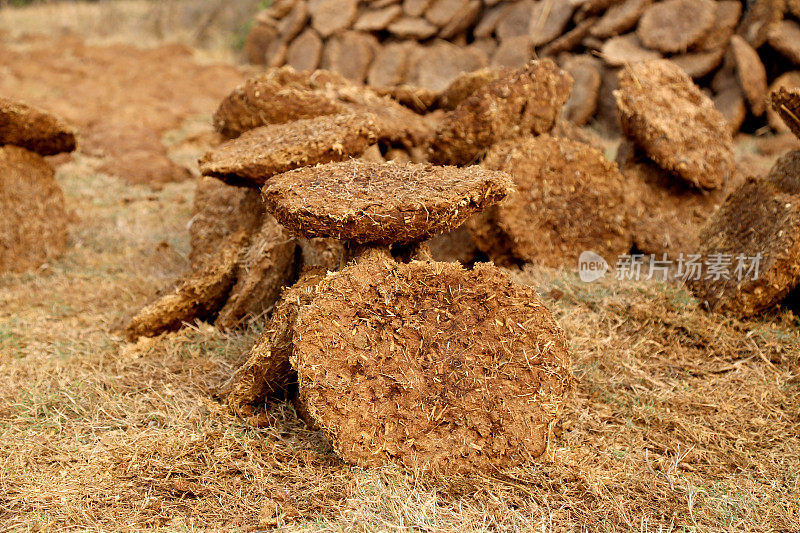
[{"x": 680, "y": 420}]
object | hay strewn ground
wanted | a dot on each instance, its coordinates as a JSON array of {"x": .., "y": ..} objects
[{"x": 682, "y": 420}]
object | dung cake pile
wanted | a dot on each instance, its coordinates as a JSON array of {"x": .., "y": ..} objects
[
  {"x": 284, "y": 95},
  {"x": 526, "y": 101},
  {"x": 756, "y": 232},
  {"x": 569, "y": 198},
  {"x": 431, "y": 366},
  {"x": 679, "y": 164},
  {"x": 33, "y": 229},
  {"x": 275, "y": 122},
  {"x": 732, "y": 49},
  {"x": 409, "y": 360},
  {"x": 283, "y": 120}
]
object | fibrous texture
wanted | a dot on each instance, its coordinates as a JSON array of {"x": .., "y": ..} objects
[
  {"x": 430, "y": 365},
  {"x": 674, "y": 123},
  {"x": 382, "y": 203},
  {"x": 527, "y": 101}
]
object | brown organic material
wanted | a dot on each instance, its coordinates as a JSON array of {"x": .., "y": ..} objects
[
  {"x": 293, "y": 23},
  {"x": 582, "y": 102},
  {"x": 625, "y": 49},
  {"x": 418, "y": 99},
  {"x": 33, "y": 225},
  {"x": 258, "y": 40},
  {"x": 33, "y": 129},
  {"x": 568, "y": 40},
  {"x": 332, "y": 16},
  {"x": 441, "y": 12},
  {"x": 454, "y": 246},
  {"x": 756, "y": 219},
  {"x": 789, "y": 80},
  {"x": 699, "y": 64},
  {"x": 412, "y": 28},
  {"x": 305, "y": 52},
  {"x": 378, "y": 19},
  {"x": 466, "y": 84},
  {"x": 278, "y": 96},
  {"x": 488, "y": 23},
  {"x": 328, "y": 254},
  {"x": 267, "y": 369},
  {"x": 390, "y": 65},
  {"x": 784, "y": 37},
  {"x": 726, "y": 18},
  {"x": 569, "y": 198},
  {"x": 759, "y": 17},
  {"x": 463, "y": 20},
  {"x": 266, "y": 267},
  {"x": 674, "y": 123},
  {"x": 785, "y": 174},
  {"x": 133, "y": 154},
  {"x": 199, "y": 296},
  {"x": 516, "y": 20},
  {"x": 786, "y": 102},
  {"x": 731, "y": 104},
  {"x": 751, "y": 74},
  {"x": 415, "y": 8},
  {"x": 431, "y": 366},
  {"x": 220, "y": 211},
  {"x": 350, "y": 54},
  {"x": 435, "y": 66},
  {"x": 526, "y": 101},
  {"x": 380, "y": 203},
  {"x": 666, "y": 215},
  {"x": 548, "y": 20},
  {"x": 619, "y": 18},
  {"x": 514, "y": 52},
  {"x": 254, "y": 157},
  {"x": 675, "y": 25}
]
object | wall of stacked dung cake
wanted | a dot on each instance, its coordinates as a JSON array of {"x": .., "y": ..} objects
[{"x": 737, "y": 51}]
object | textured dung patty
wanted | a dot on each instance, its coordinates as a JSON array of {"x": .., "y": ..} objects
[
  {"x": 254, "y": 157},
  {"x": 526, "y": 101},
  {"x": 666, "y": 214},
  {"x": 284, "y": 95},
  {"x": 200, "y": 295},
  {"x": 218, "y": 211},
  {"x": 751, "y": 74},
  {"x": 431, "y": 366},
  {"x": 785, "y": 174},
  {"x": 582, "y": 102},
  {"x": 278, "y": 96},
  {"x": 786, "y": 102},
  {"x": 788, "y": 80},
  {"x": 619, "y": 18},
  {"x": 757, "y": 218},
  {"x": 464, "y": 85},
  {"x": 33, "y": 220},
  {"x": 381, "y": 203},
  {"x": 267, "y": 369},
  {"x": 624, "y": 49},
  {"x": 675, "y": 25},
  {"x": 265, "y": 268},
  {"x": 674, "y": 123},
  {"x": 33, "y": 129},
  {"x": 569, "y": 198}
]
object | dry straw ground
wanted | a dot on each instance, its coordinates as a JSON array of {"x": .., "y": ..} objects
[{"x": 682, "y": 421}]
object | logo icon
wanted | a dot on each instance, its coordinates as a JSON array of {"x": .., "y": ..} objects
[{"x": 591, "y": 266}]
